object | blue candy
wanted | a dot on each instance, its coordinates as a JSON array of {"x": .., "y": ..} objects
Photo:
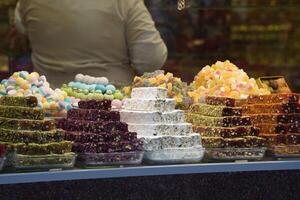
[
  {"x": 23, "y": 74},
  {"x": 111, "y": 88},
  {"x": 71, "y": 84},
  {"x": 68, "y": 100},
  {"x": 101, "y": 87}
]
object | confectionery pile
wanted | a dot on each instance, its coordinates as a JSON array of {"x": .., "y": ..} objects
[
  {"x": 98, "y": 135},
  {"x": 87, "y": 87},
  {"x": 24, "y": 131},
  {"x": 220, "y": 123},
  {"x": 223, "y": 79},
  {"x": 23, "y": 84},
  {"x": 278, "y": 117},
  {"x": 176, "y": 88},
  {"x": 167, "y": 137}
]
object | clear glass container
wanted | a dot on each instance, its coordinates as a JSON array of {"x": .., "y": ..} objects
[
  {"x": 51, "y": 161},
  {"x": 118, "y": 158},
  {"x": 285, "y": 151},
  {"x": 175, "y": 155},
  {"x": 232, "y": 154}
]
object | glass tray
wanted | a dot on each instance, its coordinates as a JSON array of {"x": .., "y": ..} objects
[
  {"x": 232, "y": 154},
  {"x": 118, "y": 158},
  {"x": 2, "y": 160},
  {"x": 53, "y": 161},
  {"x": 175, "y": 155},
  {"x": 285, "y": 151}
]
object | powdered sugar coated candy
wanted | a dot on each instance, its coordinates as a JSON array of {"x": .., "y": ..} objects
[
  {"x": 79, "y": 77},
  {"x": 116, "y": 104}
]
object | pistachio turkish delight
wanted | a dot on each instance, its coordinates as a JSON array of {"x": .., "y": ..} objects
[{"x": 30, "y": 101}]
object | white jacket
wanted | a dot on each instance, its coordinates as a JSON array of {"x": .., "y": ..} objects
[{"x": 112, "y": 38}]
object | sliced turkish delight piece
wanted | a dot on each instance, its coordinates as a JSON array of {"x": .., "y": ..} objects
[
  {"x": 30, "y": 101},
  {"x": 26, "y": 124},
  {"x": 270, "y": 108},
  {"x": 253, "y": 141},
  {"x": 200, "y": 120},
  {"x": 224, "y": 132},
  {"x": 224, "y": 101},
  {"x": 215, "y": 111},
  {"x": 213, "y": 142},
  {"x": 274, "y": 98},
  {"x": 161, "y": 105},
  {"x": 149, "y": 93},
  {"x": 27, "y": 136},
  {"x": 85, "y": 137},
  {"x": 94, "y": 104},
  {"x": 275, "y": 118},
  {"x": 21, "y": 112},
  {"x": 93, "y": 115}
]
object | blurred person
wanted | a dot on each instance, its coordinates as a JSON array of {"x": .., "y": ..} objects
[{"x": 112, "y": 38}]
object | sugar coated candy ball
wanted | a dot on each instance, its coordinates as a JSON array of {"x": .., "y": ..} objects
[
  {"x": 101, "y": 87},
  {"x": 79, "y": 77},
  {"x": 102, "y": 80},
  {"x": 116, "y": 104},
  {"x": 111, "y": 88}
]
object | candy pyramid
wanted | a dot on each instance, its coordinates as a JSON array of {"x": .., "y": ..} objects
[
  {"x": 167, "y": 137},
  {"x": 35, "y": 140},
  {"x": 225, "y": 132},
  {"x": 99, "y": 136}
]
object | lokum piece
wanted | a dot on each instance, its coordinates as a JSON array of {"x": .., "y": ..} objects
[
  {"x": 26, "y": 124},
  {"x": 212, "y": 142},
  {"x": 149, "y": 93},
  {"x": 21, "y": 112},
  {"x": 163, "y": 142},
  {"x": 200, "y": 120},
  {"x": 154, "y": 117},
  {"x": 275, "y": 118},
  {"x": 224, "y": 101},
  {"x": 273, "y": 98},
  {"x": 226, "y": 132},
  {"x": 30, "y": 101},
  {"x": 161, "y": 129},
  {"x": 27, "y": 136},
  {"x": 161, "y": 105},
  {"x": 39, "y": 149},
  {"x": 287, "y": 128},
  {"x": 215, "y": 111},
  {"x": 93, "y": 115},
  {"x": 94, "y": 104},
  {"x": 292, "y": 139},
  {"x": 92, "y": 126},
  {"x": 254, "y": 141},
  {"x": 271, "y": 108},
  {"x": 274, "y": 139}
]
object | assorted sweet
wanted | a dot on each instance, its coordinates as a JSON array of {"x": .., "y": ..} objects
[
  {"x": 176, "y": 88},
  {"x": 223, "y": 79},
  {"x": 165, "y": 133},
  {"x": 23, "y": 84},
  {"x": 87, "y": 87},
  {"x": 275, "y": 84},
  {"x": 278, "y": 117},
  {"x": 32, "y": 134},
  {"x": 98, "y": 134},
  {"x": 221, "y": 125}
]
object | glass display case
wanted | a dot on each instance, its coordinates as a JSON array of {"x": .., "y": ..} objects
[{"x": 260, "y": 36}]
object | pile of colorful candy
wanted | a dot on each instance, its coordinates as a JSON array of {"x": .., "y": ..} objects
[
  {"x": 224, "y": 79},
  {"x": 177, "y": 89},
  {"x": 54, "y": 102},
  {"x": 86, "y": 87}
]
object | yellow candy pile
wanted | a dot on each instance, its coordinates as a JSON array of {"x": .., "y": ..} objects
[{"x": 224, "y": 79}]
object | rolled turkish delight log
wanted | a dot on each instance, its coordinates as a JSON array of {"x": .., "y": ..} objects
[
  {"x": 91, "y": 126},
  {"x": 94, "y": 104},
  {"x": 274, "y": 98},
  {"x": 93, "y": 115},
  {"x": 288, "y": 128},
  {"x": 271, "y": 108},
  {"x": 275, "y": 118},
  {"x": 200, "y": 120},
  {"x": 30, "y": 101},
  {"x": 39, "y": 149},
  {"x": 26, "y": 124},
  {"x": 226, "y": 132},
  {"x": 115, "y": 136},
  {"x": 215, "y": 111},
  {"x": 27, "y": 136},
  {"x": 21, "y": 112},
  {"x": 224, "y": 101}
]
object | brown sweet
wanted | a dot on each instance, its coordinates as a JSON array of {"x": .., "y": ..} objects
[
  {"x": 278, "y": 128},
  {"x": 271, "y": 108},
  {"x": 226, "y": 132},
  {"x": 274, "y": 98},
  {"x": 215, "y": 111},
  {"x": 224, "y": 101},
  {"x": 275, "y": 118},
  {"x": 212, "y": 142}
]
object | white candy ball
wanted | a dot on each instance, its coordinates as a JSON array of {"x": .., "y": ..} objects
[
  {"x": 79, "y": 77},
  {"x": 103, "y": 81}
]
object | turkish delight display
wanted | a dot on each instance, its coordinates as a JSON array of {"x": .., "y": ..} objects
[
  {"x": 226, "y": 133},
  {"x": 30, "y": 135},
  {"x": 278, "y": 117},
  {"x": 54, "y": 102},
  {"x": 87, "y": 87},
  {"x": 99, "y": 137},
  {"x": 224, "y": 79},
  {"x": 167, "y": 137}
]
